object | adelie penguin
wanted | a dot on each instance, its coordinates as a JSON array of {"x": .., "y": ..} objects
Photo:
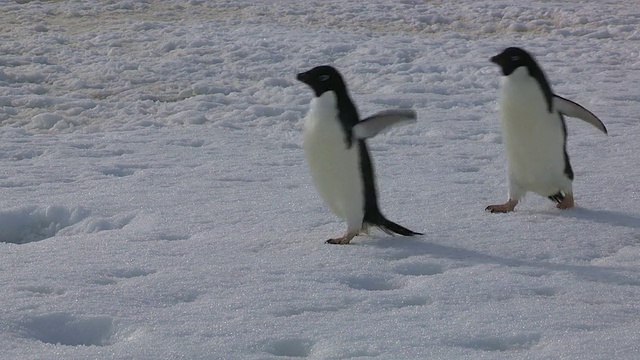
[
  {"x": 534, "y": 132},
  {"x": 337, "y": 155}
]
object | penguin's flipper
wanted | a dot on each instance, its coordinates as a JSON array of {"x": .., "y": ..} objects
[
  {"x": 573, "y": 109},
  {"x": 382, "y": 121}
]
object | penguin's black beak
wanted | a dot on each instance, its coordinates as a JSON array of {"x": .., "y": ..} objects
[
  {"x": 303, "y": 77},
  {"x": 496, "y": 59}
]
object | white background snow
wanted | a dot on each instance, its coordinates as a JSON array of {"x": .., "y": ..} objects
[{"x": 155, "y": 203}]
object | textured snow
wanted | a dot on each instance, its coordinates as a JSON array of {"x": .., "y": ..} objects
[{"x": 155, "y": 203}]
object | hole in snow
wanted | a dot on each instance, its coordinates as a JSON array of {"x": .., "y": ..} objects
[
  {"x": 172, "y": 237},
  {"x": 32, "y": 223},
  {"x": 121, "y": 170},
  {"x": 291, "y": 348},
  {"x": 65, "y": 329},
  {"x": 371, "y": 283},
  {"x": 118, "y": 172}
]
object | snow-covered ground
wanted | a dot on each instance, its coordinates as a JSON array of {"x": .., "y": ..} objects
[{"x": 155, "y": 203}]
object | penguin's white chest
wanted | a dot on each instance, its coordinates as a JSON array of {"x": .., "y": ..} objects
[
  {"x": 335, "y": 169},
  {"x": 533, "y": 136}
]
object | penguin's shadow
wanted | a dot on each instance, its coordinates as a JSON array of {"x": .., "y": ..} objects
[
  {"x": 408, "y": 247},
  {"x": 604, "y": 217}
]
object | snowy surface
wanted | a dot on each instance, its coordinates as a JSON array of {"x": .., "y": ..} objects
[{"x": 155, "y": 203}]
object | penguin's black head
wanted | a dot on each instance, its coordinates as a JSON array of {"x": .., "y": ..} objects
[
  {"x": 322, "y": 79},
  {"x": 512, "y": 58}
]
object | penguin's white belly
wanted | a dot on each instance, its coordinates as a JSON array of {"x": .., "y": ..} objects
[
  {"x": 534, "y": 140},
  {"x": 335, "y": 170}
]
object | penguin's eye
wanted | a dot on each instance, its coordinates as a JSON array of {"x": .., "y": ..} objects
[
  {"x": 323, "y": 77},
  {"x": 515, "y": 58}
]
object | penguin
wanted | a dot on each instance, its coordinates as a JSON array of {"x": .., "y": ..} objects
[
  {"x": 337, "y": 154},
  {"x": 534, "y": 132}
]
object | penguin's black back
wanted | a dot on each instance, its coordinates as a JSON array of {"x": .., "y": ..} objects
[
  {"x": 348, "y": 116},
  {"x": 371, "y": 209},
  {"x": 567, "y": 164}
]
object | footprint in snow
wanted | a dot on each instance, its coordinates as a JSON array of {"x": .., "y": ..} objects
[
  {"x": 290, "y": 347},
  {"x": 32, "y": 223},
  {"x": 69, "y": 330},
  {"x": 112, "y": 276},
  {"x": 372, "y": 283}
]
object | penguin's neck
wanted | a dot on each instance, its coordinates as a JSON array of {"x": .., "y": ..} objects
[
  {"x": 523, "y": 83},
  {"x": 520, "y": 91},
  {"x": 326, "y": 103},
  {"x": 334, "y": 107}
]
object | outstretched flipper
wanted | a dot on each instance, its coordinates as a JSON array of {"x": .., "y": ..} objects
[
  {"x": 382, "y": 121},
  {"x": 573, "y": 109}
]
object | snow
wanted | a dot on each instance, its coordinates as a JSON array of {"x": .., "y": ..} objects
[{"x": 155, "y": 203}]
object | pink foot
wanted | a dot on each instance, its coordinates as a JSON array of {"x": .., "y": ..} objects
[
  {"x": 344, "y": 240},
  {"x": 566, "y": 203},
  {"x": 502, "y": 208}
]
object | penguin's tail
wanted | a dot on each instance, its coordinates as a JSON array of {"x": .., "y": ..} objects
[{"x": 391, "y": 228}]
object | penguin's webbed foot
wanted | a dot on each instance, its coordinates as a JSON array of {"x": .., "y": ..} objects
[
  {"x": 497, "y": 209},
  {"x": 502, "y": 208},
  {"x": 344, "y": 240},
  {"x": 567, "y": 202},
  {"x": 339, "y": 241}
]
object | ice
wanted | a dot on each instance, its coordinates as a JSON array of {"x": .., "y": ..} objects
[{"x": 155, "y": 202}]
